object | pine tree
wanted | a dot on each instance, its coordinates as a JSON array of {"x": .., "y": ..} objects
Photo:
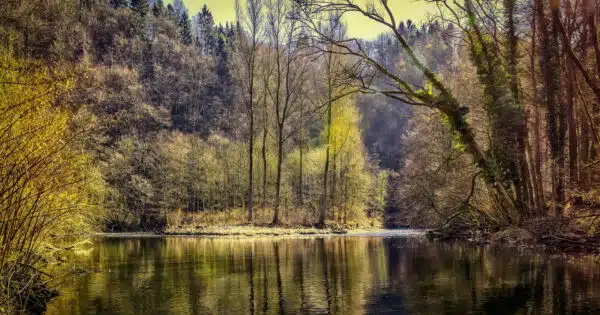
[
  {"x": 118, "y": 3},
  {"x": 141, "y": 7},
  {"x": 170, "y": 10},
  {"x": 158, "y": 8},
  {"x": 179, "y": 7},
  {"x": 185, "y": 28},
  {"x": 206, "y": 38}
]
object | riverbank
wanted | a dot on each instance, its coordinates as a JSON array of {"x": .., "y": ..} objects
[
  {"x": 235, "y": 223},
  {"x": 549, "y": 234},
  {"x": 250, "y": 230},
  {"x": 267, "y": 231}
]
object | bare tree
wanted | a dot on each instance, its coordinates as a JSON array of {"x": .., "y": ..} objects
[
  {"x": 289, "y": 75},
  {"x": 336, "y": 30},
  {"x": 249, "y": 28}
]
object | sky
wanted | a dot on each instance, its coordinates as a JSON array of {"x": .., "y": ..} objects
[{"x": 358, "y": 26}]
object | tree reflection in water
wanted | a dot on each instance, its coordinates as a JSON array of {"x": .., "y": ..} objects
[{"x": 331, "y": 275}]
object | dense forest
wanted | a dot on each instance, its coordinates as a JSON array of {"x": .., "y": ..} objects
[{"x": 137, "y": 115}]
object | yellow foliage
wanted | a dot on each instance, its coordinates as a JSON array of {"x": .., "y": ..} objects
[
  {"x": 351, "y": 181},
  {"x": 47, "y": 185}
]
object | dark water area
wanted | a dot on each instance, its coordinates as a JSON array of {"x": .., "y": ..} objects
[{"x": 324, "y": 275}]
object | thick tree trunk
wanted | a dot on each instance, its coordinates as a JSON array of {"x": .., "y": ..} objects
[
  {"x": 590, "y": 12},
  {"x": 556, "y": 112},
  {"x": 584, "y": 145},
  {"x": 570, "y": 95},
  {"x": 537, "y": 163},
  {"x": 523, "y": 178},
  {"x": 586, "y": 122},
  {"x": 572, "y": 124}
]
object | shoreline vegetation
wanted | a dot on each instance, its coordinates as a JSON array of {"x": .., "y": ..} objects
[
  {"x": 251, "y": 230},
  {"x": 266, "y": 231},
  {"x": 569, "y": 243},
  {"x": 552, "y": 234},
  {"x": 234, "y": 223}
]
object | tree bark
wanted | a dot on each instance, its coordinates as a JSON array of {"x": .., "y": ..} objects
[
  {"x": 523, "y": 178},
  {"x": 264, "y": 158},
  {"x": 324, "y": 199},
  {"x": 572, "y": 124},
  {"x": 301, "y": 180},
  {"x": 537, "y": 163},
  {"x": 556, "y": 112},
  {"x": 251, "y": 167},
  {"x": 584, "y": 175},
  {"x": 590, "y": 13},
  {"x": 276, "y": 219},
  {"x": 334, "y": 186}
]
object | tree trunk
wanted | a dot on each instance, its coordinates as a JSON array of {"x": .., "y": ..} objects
[
  {"x": 324, "y": 199},
  {"x": 250, "y": 168},
  {"x": 276, "y": 219},
  {"x": 528, "y": 175},
  {"x": 590, "y": 12},
  {"x": 584, "y": 145},
  {"x": 537, "y": 163},
  {"x": 572, "y": 124},
  {"x": 586, "y": 126},
  {"x": 264, "y": 160},
  {"x": 556, "y": 112},
  {"x": 593, "y": 29},
  {"x": 522, "y": 180},
  {"x": 301, "y": 184},
  {"x": 324, "y": 203},
  {"x": 301, "y": 149},
  {"x": 334, "y": 186}
]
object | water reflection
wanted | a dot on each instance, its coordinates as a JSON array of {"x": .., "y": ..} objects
[{"x": 335, "y": 275}]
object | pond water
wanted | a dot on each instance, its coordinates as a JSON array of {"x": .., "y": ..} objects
[{"x": 369, "y": 274}]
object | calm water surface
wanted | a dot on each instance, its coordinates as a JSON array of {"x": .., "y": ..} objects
[{"x": 324, "y": 275}]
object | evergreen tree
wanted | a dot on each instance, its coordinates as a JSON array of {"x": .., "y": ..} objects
[
  {"x": 185, "y": 28},
  {"x": 158, "y": 8},
  {"x": 206, "y": 37},
  {"x": 171, "y": 10},
  {"x": 118, "y": 3},
  {"x": 141, "y": 7},
  {"x": 179, "y": 7}
]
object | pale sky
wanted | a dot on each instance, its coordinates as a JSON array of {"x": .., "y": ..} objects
[{"x": 358, "y": 26}]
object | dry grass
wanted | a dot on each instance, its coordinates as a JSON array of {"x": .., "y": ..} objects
[
  {"x": 262, "y": 217},
  {"x": 234, "y": 222},
  {"x": 249, "y": 230}
]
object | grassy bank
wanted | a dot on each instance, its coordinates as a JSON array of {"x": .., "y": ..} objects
[
  {"x": 252, "y": 230},
  {"x": 234, "y": 222}
]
